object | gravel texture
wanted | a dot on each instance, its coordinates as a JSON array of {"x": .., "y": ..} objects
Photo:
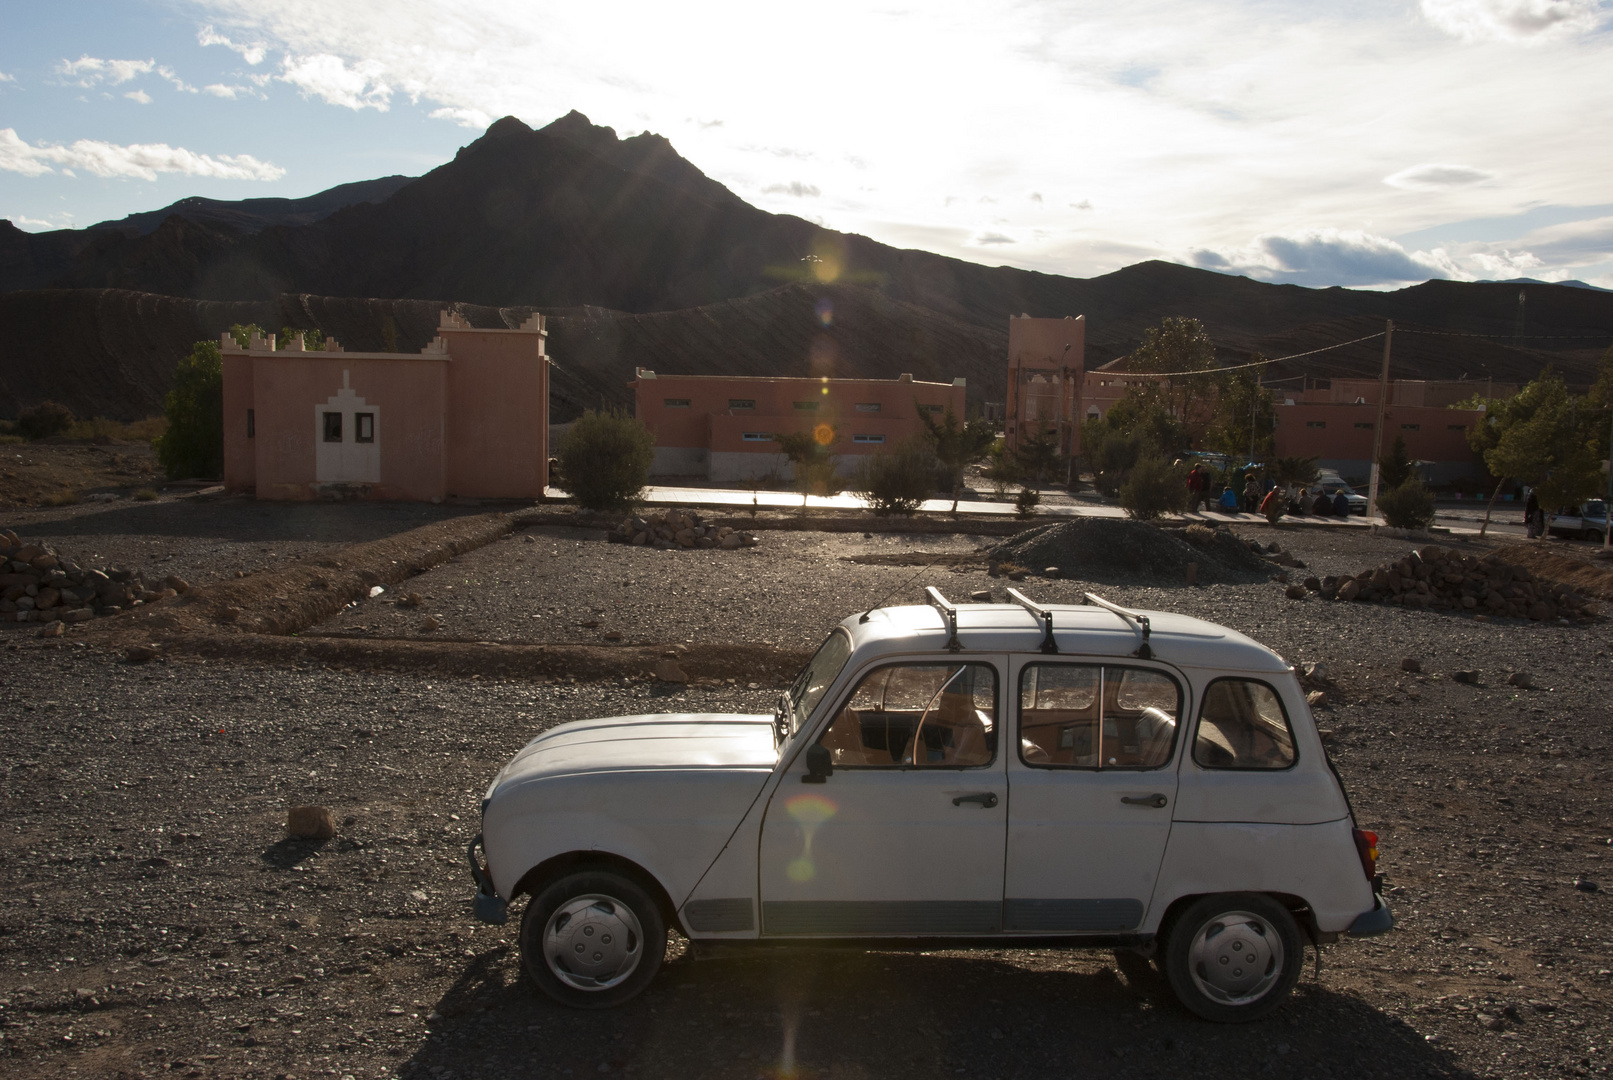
[
  {"x": 153, "y": 919},
  {"x": 1107, "y": 549}
]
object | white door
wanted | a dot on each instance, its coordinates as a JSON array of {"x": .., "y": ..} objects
[
  {"x": 1093, "y": 779},
  {"x": 906, "y": 837}
]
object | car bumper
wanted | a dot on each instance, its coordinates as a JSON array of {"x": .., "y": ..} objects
[
  {"x": 487, "y": 905},
  {"x": 1380, "y": 920}
]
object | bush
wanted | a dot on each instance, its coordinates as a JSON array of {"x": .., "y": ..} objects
[
  {"x": 1154, "y": 488},
  {"x": 193, "y": 445},
  {"x": 1409, "y": 506},
  {"x": 605, "y": 460},
  {"x": 1026, "y": 502},
  {"x": 44, "y": 420},
  {"x": 896, "y": 482}
]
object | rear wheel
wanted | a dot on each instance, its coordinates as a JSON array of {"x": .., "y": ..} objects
[
  {"x": 1233, "y": 958},
  {"x": 592, "y": 939}
]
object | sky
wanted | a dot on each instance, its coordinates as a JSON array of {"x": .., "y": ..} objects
[{"x": 1361, "y": 143}]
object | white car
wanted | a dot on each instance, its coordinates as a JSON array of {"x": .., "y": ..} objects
[
  {"x": 984, "y": 774},
  {"x": 1584, "y": 521}
]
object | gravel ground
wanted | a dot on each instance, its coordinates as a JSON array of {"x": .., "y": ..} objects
[{"x": 153, "y": 920}]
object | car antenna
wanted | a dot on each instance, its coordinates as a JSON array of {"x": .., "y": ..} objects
[
  {"x": 1143, "y": 651},
  {"x": 930, "y": 566}
]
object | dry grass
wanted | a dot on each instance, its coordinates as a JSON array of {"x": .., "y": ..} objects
[
  {"x": 146, "y": 494},
  {"x": 118, "y": 430},
  {"x": 59, "y": 498}
]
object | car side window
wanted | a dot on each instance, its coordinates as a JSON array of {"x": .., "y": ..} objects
[
  {"x": 1243, "y": 725},
  {"x": 917, "y": 715},
  {"x": 1097, "y": 716}
]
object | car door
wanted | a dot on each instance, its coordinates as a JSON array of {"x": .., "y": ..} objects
[
  {"x": 906, "y": 837},
  {"x": 1091, "y": 779}
]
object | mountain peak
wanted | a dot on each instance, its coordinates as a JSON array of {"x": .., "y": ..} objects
[{"x": 507, "y": 127}]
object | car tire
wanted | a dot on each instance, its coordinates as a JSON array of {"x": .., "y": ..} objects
[
  {"x": 1234, "y": 957},
  {"x": 592, "y": 939}
]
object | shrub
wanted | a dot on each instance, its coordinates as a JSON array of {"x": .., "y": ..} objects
[
  {"x": 1026, "y": 502},
  {"x": 605, "y": 459},
  {"x": 1200, "y": 535},
  {"x": 193, "y": 445},
  {"x": 69, "y": 497},
  {"x": 1409, "y": 506},
  {"x": 898, "y": 481},
  {"x": 44, "y": 420},
  {"x": 1154, "y": 488},
  {"x": 811, "y": 457},
  {"x": 146, "y": 494}
]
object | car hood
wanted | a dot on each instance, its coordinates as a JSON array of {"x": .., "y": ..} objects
[{"x": 655, "y": 742}]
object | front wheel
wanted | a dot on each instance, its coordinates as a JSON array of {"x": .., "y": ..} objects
[
  {"x": 1233, "y": 958},
  {"x": 592, "y": 939}
]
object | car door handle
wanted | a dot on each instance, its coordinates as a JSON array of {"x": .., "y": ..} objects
[
  {"x": 987, "y": 799},
  {"x": 1156, "y": 800}
]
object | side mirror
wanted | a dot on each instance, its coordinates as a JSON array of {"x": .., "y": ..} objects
[{"x": 820, "y": 766}]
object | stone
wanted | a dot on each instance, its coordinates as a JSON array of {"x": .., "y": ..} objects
[
  {"x": 1295, "y": 592},
  {"x": 613, "y": 635},
  {"x": 1539, "y": 610},
  {"x": 670, "y": 671},
  {"x": 431, "y": 622},
  {"x": 1313, "y": 584},
  {"x": 730, "y": 542},
  {"x": 1411, "y": 664},
  {"x": 78, "y": 615},
  {"x": 1350, "y": 589},
  {"x": 1482, "y": 618},
  {"x": 176, "y": 583},
  {"x": 1316, "y": 699},
  {"x": 980, "y": 596},
  {"x": 1471, "y": 678},
  {"x": 1317, "y": 671},
  {"x": 139, "y": 654},
  {"x": 1018, "y": 575},
  {"x": 311, "y": 823},
  {"x": 1522, "y": 680},
  {"x": 1585, "y": 885},
  {"x": 1050, "y": 571},
  {"x": 52, "y": 629}
]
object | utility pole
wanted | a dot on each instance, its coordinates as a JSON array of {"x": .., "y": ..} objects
[
  {"x": 1607, "y": 504},
  {"x": 1377, "y": 429}
]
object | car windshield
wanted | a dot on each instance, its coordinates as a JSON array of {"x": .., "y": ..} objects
[
  {"x": 797, "y": 703},
  {"x": 1595, "y": 508}
]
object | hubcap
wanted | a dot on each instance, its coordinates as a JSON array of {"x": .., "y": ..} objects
[
  {"x": 1236, "y": 958},
  {"x": 592, "y": 942}
]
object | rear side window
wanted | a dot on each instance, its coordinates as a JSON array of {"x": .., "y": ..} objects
[
  {"x": 1243, "y": 726},
  {"x": 1087, "y": 716}
]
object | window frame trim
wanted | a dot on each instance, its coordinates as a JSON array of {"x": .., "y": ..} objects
[
  {"x": 914, "y": 661},
  {"x": 1182, "y": 695},
  {"x": 1287, "y": 720}
]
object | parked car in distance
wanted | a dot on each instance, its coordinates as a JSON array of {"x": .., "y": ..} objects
[
  {"x": 1332, "y": 485},
  {"x": 951, "y": 775},
  {"x": 1584, "y": 521}
]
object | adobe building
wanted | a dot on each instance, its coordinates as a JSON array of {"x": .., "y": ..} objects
[
  {"x": 468, "y": 416},
  {"x": 721, "y": 427},
  {"x": 1046, "y": 358},
  {"x": 1337, "y": 425}
]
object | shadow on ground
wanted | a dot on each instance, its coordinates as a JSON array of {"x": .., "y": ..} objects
[
  {"x": 249, "y": 520},
  {"x": 849, "y": 1014}
]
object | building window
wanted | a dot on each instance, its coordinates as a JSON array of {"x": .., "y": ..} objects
[
  {"x": 333, "y": 427},
  {"x": 741, "y": 403},
  {"x": 1411, "y": 427},
  {"x": 1316, "y": 423},
  {"x": 868, "y": 438},
  {"x": 363, "y": 427},
  {"x": 676, "y": 402},
  {"x": 867, "y": 406},
  {"x": 1457, "y": 427},
  {"x": 1365, "y": 425},
  {"x": 806, "y": 406},
  {"x": 932, "y": 408},
  {"x": 757, "y": 436},
  {"x": 251, "y": 424}
]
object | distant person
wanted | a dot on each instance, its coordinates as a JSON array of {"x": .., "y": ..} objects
[
  {"x": 1273, "y": 505},
  {"x": 1229, "y": 500},
  {"x": 1323, "y": 506},
  {"x": 1341, "y": 505},
  {"x": 1533, "y": 520},
  {"x": 1251, "y": 494},
  {"x": 1198, "y": 482}
]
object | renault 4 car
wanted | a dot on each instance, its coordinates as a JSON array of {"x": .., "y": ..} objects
[{"x": 951, "y": 775}]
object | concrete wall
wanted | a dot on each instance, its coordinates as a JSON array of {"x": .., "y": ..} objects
[
  {"x": 1345, "y": 433},
  {"x": 497, "y": 411},
  {"x": 240, "y": 449}
]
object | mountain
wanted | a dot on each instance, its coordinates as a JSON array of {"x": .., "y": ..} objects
[{"x": 254, "y": 215}]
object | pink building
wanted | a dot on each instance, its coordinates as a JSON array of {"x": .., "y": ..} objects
[
  {"x": 1340, "y": 436},
  {"x": 1045, "y": 362},
  {"x": 721, "y": 426},
  {"x": 466, "y": 416}
]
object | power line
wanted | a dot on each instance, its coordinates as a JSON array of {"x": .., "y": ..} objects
[{"x": 1241, "y": 367}]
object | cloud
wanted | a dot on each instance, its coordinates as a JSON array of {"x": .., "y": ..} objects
[
  {"x": 465, "y": 118},
  {"x": 140, "y": 96},
  {"x": 252, "y": 54},
  {"x": 139, "y": 160},
  {"x": 795, "y": 188},
  {"x": 1330, "y": 257},
  {"x": 1517, "y": 21},
  {"x": 328, "y": 77},
  {"x": 222, "y": 91},
  {"x": 1573, "y": 243},
  {"x": 179, "y": 84},
  {"x": 90, "y": 70},
  {"x": 4, "y": 78},
  {"x": 995, "y": 238},
  {"x": 1434, "y": 177}
]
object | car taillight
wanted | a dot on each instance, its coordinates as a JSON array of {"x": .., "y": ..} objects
[{"x": 1366, "y": 845}]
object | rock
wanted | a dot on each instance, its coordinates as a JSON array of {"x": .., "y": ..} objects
[
  {"x": 139, "y": 654},
  {"x": 1471, "y": 678},
  {"x": 78, "y": 615},
  {"x": 980, "y": 596},
  {"x": 1482, "y": 618},
  {"x": 1316, "y": 699},
  {"x": 670, "y": 671},
  {"x": 311, "y": 823},
  {"x": 1050, "y": 571},
  {"x": 1313, "y": 584},
  {"x": 1295, "y": 592},
  {"x": 1349, "y": 590},
  {"x": 1018, "y": 575},
  {"x": 1539, "y": 610},
  {"x": 1411, "y": 664},
  {"x": 1586, "y": 885},
  {"x": 1317, "y": 671},
  {"x": 52, "y": 629},
  {"x": 431, "y": 622},
  {"x": 1522, "y": 680},
  {"x": 613, "y": 635},
  {"x": 730, "y": 542},
  {"x": 176, "y": 583}
]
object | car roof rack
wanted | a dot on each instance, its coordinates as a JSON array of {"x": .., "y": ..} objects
[
  {"x": 1043, "y": 613},
  {"x": 949, "y": 611},
  {"x": 1144, "y": 652}
]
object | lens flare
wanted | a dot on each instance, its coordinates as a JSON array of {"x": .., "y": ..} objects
[
  {"x": 809, "y": 811},
  {"x": 826, "y": 312},
  {"x": 823, "y": 434}
]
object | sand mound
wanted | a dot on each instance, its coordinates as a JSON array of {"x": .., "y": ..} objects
[{"x": 1131, "y": 552}]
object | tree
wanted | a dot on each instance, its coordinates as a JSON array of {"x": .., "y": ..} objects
[
  {"x": 312, "y": 340},
  {"x": 44, "y": 420},
  {"x": 1245, "y": 418},
  {"x": 1002, "y": 468},
  {"x": 1038, "y": 454},
  {"x": 956, "y": 446},
  {"x": 1154, "y": 488},
  {"x": 1395, "y": 467},
  {"x": 193, "y": 445},
  {"x": 243, "y": 333},
  {"x": 1181, "y": 347},
  {"x": 810, "y": 454},
  {"x": 1407, "y": 505},
  {"x": 1541, "y": 438},
  {"x": 1293, "y": 472},
  {"x": 898, "y": 481},
  {"x": 605, "y": 460}
]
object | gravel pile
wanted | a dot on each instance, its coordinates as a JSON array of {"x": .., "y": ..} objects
[
  {"x": 1445, "y": 580},
  {"x": 41, "y": 585},
  {"x": 1108, "y": 549}
]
